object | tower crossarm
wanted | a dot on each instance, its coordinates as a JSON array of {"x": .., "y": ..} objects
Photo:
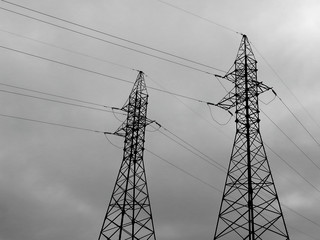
[
  {"x": 233, "y": 97},
  {"x": 261, "y": 88},
  {"x": 121, "y": 131},
  {"x": 227, "y": 102}
]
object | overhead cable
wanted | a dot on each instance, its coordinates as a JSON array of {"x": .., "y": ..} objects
[
  {"x": 206, "y": 159},
  {"x": 286, "y": 86},
  {"x": 218, "y": 78},
  {"x": 54, "y": 95},
  {"x": 297, "y": 119},
  {"x": 57, "y": 101},
  {"x": 115, "y": 44},
  {"x": 95, "y": 72},
  {"x": 51, "y": 123},
  {"x": 184, "y": 104},
  {"x": 300, "y": 215},
  {"x": 293, "y": 169},
  {"x": 111, "y": 142},
  {"x": 270, "y": 101},
  {"x": 65, "y": 64},
  {"x": 198, "y": 16},
  {"x": 292, "y": 141},
  {"x": 193, "y": 152},
  {"x": 184, "y": 171},
  {"x": 68, "y": 50},
  {"x": 299, "y": 231},
  {"x": 110, "y": 35},
  {"x": 221, "y": 124}
]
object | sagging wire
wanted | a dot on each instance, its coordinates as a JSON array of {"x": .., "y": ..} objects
[
  {"x": 184, "y": 171},
  {"x": 114, "y": 114},
  {"x": 155, "y": 129},
  {"x": 217, "y": 77},
  {"x": 221, "y": 124},
  {"x": 274, "y": 97},
  {"x": 68, "y": 50},
  {"x": 298, "y": 120},
  {"x": 198, "y": 16},
  {"x": 163, "y": 89},
  {"x": 109, "y": 133},
  {"x": 195, "y": 151}
]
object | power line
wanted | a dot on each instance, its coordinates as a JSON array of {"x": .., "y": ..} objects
[
  {"x": 57, "y": 101},
  {"x": 95, "y": 72},
  {"x": 300, "y": 215},
  {"x": 65, "y": 64},
  {"x": 111, "y": 35},
  {"x": 292, "y": 141},
  {"x": 221, "y": 83},
  {"x": 301, "y": 124},
  {"x": 54, "y": 95},
  {"x": 177, "y": 94},
  {"x": 102, "y": 60},
  {"x": 184, "y": 171},
  {"x": 195, "y": 151},
  {"x": 109, "y": 42},
  {"x": 188, "y": 107},
  {"x": 198, "y": 16},
  {"x": 112, "y": 142},
  {"x": 68, "y": 50},
  {"x": 286, "y": 86},
  {"x": 293, "y": 169},
  {"x": 50, "y": 123},
  {"x": 211, "y": 161},
  {"x": 297, "y": 230},
  {"x": 221, "y": 124}
]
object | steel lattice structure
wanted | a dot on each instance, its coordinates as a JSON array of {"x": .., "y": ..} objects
[
  {"x": 129, "y": 213},
  {"x": 250, "y": 207}
]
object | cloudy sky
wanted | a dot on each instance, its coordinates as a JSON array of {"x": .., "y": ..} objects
[{"x": 56, "y": 182}]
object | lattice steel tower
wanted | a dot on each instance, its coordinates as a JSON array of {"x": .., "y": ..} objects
[
  {"x": 250, "y": 207},
  {"x": 129, "y": 213}
]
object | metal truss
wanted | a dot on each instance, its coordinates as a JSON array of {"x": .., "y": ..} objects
[
  {"x": 129, "y": 213},
  {"x": 250, "y": 207}
]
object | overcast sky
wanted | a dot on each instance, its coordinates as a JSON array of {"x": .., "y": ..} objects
[{"x": 56, "y": 182}]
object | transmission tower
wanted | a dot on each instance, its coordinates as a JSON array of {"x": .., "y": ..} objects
[
  {"x": 250, "y": 207},
  {"x": 129, "y": 213}
]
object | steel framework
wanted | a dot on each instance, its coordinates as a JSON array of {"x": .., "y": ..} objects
[
  {"x": 129, "y": 213},
  {"x": 250, "y": 207}
]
